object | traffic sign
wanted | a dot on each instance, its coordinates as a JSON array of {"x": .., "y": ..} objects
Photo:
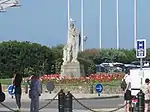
[
  {"x": 141, "y": 48},
  {"x": 50, "y": 86},
  {"x": 99, "y": 88},
  {"x": 11, "y": 89}
]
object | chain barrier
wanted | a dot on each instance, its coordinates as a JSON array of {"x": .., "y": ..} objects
[
  {"x": 39, "y": 108},
  {"x": 8, "y": 107},
  {"x": 74, "y": 99},
  {"x": 49, "y": 102},
  {"x": 95, "y": 110}
]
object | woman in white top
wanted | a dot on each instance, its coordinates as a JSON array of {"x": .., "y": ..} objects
[
  {"x": 127, "y": 91},
  {"x": 146, "y": 90}
]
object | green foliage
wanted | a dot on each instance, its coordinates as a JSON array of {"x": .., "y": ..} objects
[
  {"x": 89, "y": 66},
  {"x": 23, "y": 57},
  {"x": 28, "y": 58},
  {"x": 108, "y": 55}
]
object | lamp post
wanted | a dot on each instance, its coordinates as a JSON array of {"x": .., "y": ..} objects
[{"x": 84, "y": 41}]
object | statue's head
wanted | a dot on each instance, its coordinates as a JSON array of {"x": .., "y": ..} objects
[{"x": 72, "y": 25}]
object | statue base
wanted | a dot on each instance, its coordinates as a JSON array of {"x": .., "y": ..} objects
[{"x": 74, "y": 69}]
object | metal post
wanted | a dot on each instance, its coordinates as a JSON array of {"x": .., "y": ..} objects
[
  {"x": 68, "y": 19},
  {"x": 141, "y": 68},
  {"x": 68, "y": 102},
  {"x": 41, "y": 87},
  {"x": 61, "y": 101},
  {"x": 141, "y": 103},
  {"x": 91, "y": 89},
  {"x": 117, "y": 12},
  {"x": 82, "y": 25},
  {"x": 26, "y": 88},
  {"x": 100, "y": 24},
  {"x": 135, "y": 24}
]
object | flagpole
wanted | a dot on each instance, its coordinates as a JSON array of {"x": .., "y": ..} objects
[
  {"x": 100, "y": 24},
  {"x": 68, "y": 23},
  {"x": 82, "y": 25},
  {"x": 135, "y": 24},
  {"x": 117, "y": 12}
]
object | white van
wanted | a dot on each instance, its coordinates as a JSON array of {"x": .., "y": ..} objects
[{"x": 138, "y": 78}]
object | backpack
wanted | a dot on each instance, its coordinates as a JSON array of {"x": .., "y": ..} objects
[{"x": 123, "y": 84}]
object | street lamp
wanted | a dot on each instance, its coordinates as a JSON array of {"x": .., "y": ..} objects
[{"x": 84, "y": 41}]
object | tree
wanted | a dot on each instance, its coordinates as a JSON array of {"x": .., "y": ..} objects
[{"x": 21, "y": 56}]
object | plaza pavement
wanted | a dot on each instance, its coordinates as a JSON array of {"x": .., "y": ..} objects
[
  {"x": 56, "y": 110},
  {"x": 47, "y": 96}
]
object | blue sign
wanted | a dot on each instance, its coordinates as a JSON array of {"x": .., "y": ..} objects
[
  {"x": 99, "y": 88},
  {"x": 141, "y": 48},
  {"x": 11, "y": 89}
]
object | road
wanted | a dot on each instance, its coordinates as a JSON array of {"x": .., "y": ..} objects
[{"x": 94, "y": 104}]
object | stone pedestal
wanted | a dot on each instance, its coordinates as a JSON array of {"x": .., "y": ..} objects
[{"x": 74, "y": 69}]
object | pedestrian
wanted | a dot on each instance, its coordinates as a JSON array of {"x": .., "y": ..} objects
[
  {"x": 146, "y": 90},
  {"x": 17, "y": 84},
  {"x": 34, "y": 93},
  {"x": 127, "y": 91}
]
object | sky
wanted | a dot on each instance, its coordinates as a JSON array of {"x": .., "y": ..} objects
[{"x": 45, "y": 22}]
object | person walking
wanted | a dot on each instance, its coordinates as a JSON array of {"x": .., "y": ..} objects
[
  {"x": 127, "y": 91},
  {"x": 17, "y": 84},
  {"x": 34, "y": 93},
  {"x": 146, "y": 90}
]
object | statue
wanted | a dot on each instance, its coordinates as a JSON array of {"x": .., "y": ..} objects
[
  {"x": 71, "y": 49},
  {"x": 71, "y": 66}
]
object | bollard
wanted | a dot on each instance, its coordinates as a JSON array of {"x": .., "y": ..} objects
[
  {"x": 61, "y": 101},
  {"x": 26, "y": 88},
  {"x": 91, "y": 89},
  {"x": 68, "y": 102},
  {"x": 141, "y": 103}
]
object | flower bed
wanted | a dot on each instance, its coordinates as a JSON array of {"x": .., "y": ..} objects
[
  {"x": 92, "y": 79},
  {"x": 110, "y": 82}
]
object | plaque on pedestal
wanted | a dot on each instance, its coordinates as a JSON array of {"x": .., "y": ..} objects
[{"x": 74, "y": 69}]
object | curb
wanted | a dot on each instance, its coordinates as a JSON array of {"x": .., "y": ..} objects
[
  {"x": 99, "y": 97},
  {"x": 96, "y": 98}
]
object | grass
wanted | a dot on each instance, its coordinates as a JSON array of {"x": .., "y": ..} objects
[
  {"x": 112, "y": 83},
  {"x": 5, "y": 81}
]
